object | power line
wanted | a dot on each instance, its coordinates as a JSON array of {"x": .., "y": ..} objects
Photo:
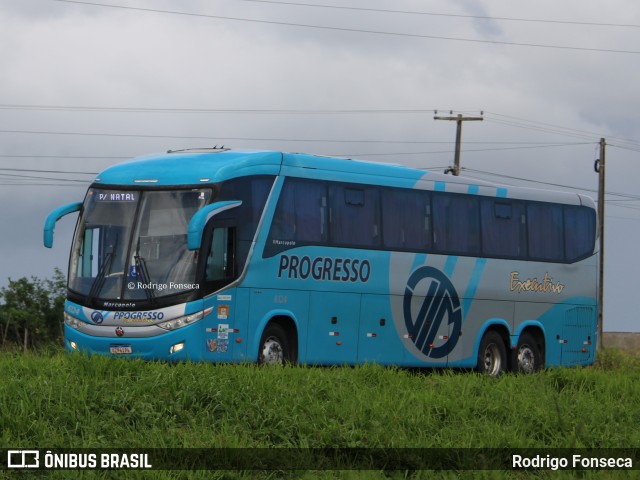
[
  {"x": 624, "y": 218},
  {"x": 434, "y": 14},
  {"x": 274, "y": 139},
  {"x": 251, "y": 111},
  {"x": 18, "y": 181},
  {"x": 218, "y": 139},
  {"x": 541, "y": 129},
  {"x": 79, "y": 157},
  {"x": 470, "y": 150},
  {"x": 510, "y": 177},
  {"x": 503, "y": 119},
  {"x": 353, "y": 30},
  {"x": 41, "y": 185},
  {"x": 35, "y": 177},
  {"x": 621, "y": 147},
  {"x": 46, "y": 171},
  {"x": 615, "y": 194},
  {"x": 552, "y": 128}
]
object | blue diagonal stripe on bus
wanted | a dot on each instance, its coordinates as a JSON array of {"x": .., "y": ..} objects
[
  {"x": 474, "y": 189},
  {"x": 450, "y": 265},
  {"x": 501, "y": 192},
  {"x": 440, "y": 186},
  {"x": 419, "y": 259},
  {"x": 470, "y": 293}
]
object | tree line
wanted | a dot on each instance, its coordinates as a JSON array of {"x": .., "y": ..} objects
[{"x": 32, "y": 311}]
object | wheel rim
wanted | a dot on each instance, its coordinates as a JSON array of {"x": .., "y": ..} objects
[
  {"x": 492, "y": 360},
  {"x": 272, "y": 352},
  {"x": 526, "y": 359}
]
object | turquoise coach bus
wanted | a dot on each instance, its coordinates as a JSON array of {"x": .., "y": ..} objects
[{"x": 231, "y": 256}]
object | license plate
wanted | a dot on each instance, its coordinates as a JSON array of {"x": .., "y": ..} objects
[{"x": 120, "y": 349}]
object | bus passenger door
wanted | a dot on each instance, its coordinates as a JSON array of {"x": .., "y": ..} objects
[
  {"x": 379, "y": 340},
  {"x": 220, "y": 269},
  {"x": 333, "y": 328}
]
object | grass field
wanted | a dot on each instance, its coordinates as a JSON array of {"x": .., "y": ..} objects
[{"x": 53, "y": 400}]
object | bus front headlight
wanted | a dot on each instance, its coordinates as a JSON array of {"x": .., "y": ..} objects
[
  {"x": 73, "y": 322},
  {"x": 185, "y": 320}
]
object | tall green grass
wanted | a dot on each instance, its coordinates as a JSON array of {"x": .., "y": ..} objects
[{"x": 54, "y": 400}]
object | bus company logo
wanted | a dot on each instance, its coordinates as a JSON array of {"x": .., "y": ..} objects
[
  {"x": 119, "y": 331},
  {"x": 97, "y": 317},
  {"x": 439, "y": 301}
]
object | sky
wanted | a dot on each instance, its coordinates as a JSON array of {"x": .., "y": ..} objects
[{"x": 85, "y": 85}]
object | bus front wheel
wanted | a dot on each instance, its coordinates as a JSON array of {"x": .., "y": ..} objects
[
  {"x": 492, "y": 354},
  {"x": 274, "y": 346}
]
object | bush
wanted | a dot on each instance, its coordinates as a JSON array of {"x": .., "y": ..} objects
[{"x": 32, "y": 312}]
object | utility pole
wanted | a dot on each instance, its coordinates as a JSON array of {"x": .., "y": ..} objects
[
  {"x": 458, "y": 119},
  {"x": 600, "y": 169}
]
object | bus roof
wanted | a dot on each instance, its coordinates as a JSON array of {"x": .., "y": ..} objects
[{"x": 206, "y": 166}]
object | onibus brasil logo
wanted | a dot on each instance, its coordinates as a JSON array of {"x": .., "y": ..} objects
[{"x": 439, "y": 302}]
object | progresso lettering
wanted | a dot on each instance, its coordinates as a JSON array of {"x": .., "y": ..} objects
[
  {"x": 324, "y": 268},
  {"x": 138, "y": 316}
]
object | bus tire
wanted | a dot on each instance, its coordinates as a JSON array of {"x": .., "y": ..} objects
[
  {"x": 528, "y": 357},
  {"x": 274, "y": 346},
  {"x": 492, "y": 354}
]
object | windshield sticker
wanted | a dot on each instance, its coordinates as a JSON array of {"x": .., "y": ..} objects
[
  {"x": 116, "y": 197},
  {"x": 533, "y": 285}
]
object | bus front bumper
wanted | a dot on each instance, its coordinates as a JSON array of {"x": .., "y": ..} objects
[{"x": 182, "y": 344}]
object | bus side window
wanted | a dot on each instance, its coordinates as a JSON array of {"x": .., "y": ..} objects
[
  {"x": 504, "y": 233},
  {"x": 300, "y": 216},
  {"x": 406, "y": 219},
  {"x": 221, "y": 259},
  {"x": 545, "y": 232},
  {"x": 456, "y": 224},
  {"x": 354, "y": 216},
  {"x": 579, "y": 232}
]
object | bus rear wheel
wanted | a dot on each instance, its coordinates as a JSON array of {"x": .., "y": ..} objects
[
  {"x": 528, "y": 357},
  {"x": 274, "y": 346},
  {"x": 492, "y": 354}
]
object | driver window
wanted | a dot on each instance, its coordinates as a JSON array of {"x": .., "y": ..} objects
[{"x": 221, "y": 259}]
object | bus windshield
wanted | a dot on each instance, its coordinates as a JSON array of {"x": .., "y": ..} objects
[{"x": 132, "y": 244}]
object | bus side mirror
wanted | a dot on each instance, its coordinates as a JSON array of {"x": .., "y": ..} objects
[
  {"x": 199, "y": 220},
  {"x": 53, "y": 217}
]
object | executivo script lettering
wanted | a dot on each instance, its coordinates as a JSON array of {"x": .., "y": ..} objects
[{"x": 533, "y": 285}]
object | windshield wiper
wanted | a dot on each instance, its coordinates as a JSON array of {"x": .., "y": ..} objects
[
  {"x": 105, "y": 269},
  {"x": 141, "y": 267}
]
